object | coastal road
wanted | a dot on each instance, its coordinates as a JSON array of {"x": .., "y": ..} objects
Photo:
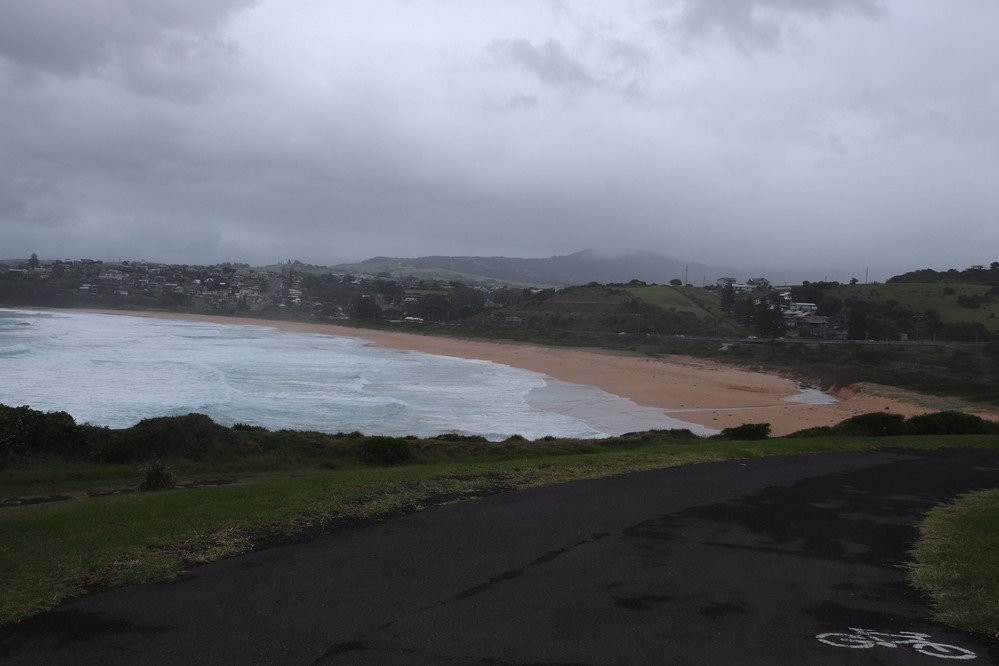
[{"x": 720, "y": 563}]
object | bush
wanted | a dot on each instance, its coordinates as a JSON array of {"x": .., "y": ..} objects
[
  {"x": 872, "y": 424},
  {"x": 248, "y": 427},
  {"x": 747, "y": 431},
  {"x": 949, "y": 423},
  {"x": 818, "y": 431},
  {"x": 190, "y": 436},
  {"x": 29, "y": 432},
  {"x": 157, "y": 476},
  {"x": 385, "y": 451},
  {"x": 515, "y": 438},
  {"x": 458, "y": 437}
]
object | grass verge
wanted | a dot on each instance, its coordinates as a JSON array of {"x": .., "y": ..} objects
[
  {"x": 100, "y": 534},
  {"x": 957, "y": 561}
]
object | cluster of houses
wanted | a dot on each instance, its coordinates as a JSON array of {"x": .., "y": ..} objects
[
  {"x": 235, "y": 287},
  {"x": 750, "y": 285},
  {"x": 799, "y": 318},
  {"x": 238, "y": 287},
  {"x": 802, "y": 319},
  {"x": 222, "y": 287}
]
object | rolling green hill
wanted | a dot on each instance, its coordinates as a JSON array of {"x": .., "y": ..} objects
[
  {"x": 953, "y": 302},
  {"x": 577, "y": 268},
  {"x": 626, "y": 308}
]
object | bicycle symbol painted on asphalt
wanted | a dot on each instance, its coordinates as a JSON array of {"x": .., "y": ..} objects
[{"x": 868, "y": 638}]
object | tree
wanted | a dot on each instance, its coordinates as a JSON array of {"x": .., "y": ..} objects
[
  {"x": 33, "y": 262},
  {"x": 727, "y": 298},
  {"x": 364, "y": 306},
  {"x": 858, "y": 323},
  {"x": 676, "y": 282}
]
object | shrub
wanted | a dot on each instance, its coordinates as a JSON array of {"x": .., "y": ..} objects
[
  {"x": 458, "y": 437},
  {"x": 248, "y": 427},
  {"x": 515, "y": 438},
  {"x": 818, "y": 431},
  {"x": 385, "y": 451},
  {"x": 747, "y": 431},
  {"x": 157, "y": 476},
  {"x": 949, "y": 423},
  {"x": 873, "y": 424},
  {"x": 29, "y": 432},
  {"x": 190, "y": 436}
]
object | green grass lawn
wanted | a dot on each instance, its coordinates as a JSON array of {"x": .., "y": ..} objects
[
  {"x": 957, "y": 561},
  {"x": 53, "y": 551}
]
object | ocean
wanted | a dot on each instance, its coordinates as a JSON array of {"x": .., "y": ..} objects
[{"x": 115, "y": 370}]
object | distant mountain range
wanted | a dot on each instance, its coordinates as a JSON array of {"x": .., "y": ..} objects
[{"x": 577, "y": 268}]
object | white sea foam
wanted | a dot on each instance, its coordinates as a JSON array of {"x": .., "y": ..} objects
[{"x": 115, "y": 370}]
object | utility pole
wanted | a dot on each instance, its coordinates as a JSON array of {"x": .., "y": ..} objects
[
  {"x": 685, "y": 268},
  {"x": 867, "y": 274}
]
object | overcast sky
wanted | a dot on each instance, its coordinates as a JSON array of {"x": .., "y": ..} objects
[{"x": 732, "y": 132}]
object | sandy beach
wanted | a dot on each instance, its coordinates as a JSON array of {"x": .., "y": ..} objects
[{"x": 693, "y": 390}]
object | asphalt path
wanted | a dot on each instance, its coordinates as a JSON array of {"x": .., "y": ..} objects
[{"x": 721, "y": 563}]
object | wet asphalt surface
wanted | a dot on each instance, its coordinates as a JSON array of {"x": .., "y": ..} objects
[{"x": 721, "y": 563}]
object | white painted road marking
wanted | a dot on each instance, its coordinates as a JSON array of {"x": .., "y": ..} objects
[{"x": 868, "y": 638}]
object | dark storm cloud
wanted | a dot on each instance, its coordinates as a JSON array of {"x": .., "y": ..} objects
[
  {"x": 158, "y": 48},
  {"x": 751, "y": 24},
  {"x": 548, "y": 61},
  {"x": 746, "y": 133}
]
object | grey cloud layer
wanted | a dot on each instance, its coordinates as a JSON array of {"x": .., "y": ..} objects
[{"x": 747, "y": 132}]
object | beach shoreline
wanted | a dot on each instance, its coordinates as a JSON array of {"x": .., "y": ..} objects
[{"x": 698, "y": 391}]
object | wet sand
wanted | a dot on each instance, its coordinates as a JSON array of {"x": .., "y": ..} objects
[{"x": 693, "y": 390}]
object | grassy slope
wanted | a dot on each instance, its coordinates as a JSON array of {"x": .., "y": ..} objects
[
  {"x": 957, "y": 561},
  {"x": 703, "y": 304},
  {"x": 593, "y": 306},
  {"x": 921, "y": 297},
  {"x": 56, "y": 550}
]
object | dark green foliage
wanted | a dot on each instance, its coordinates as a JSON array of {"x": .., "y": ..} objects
[
  {"x": 881, "y": 424},
  {"x": 249, "y": 428},
  {"x": 975, "y": 275},
  {"x": 28, "y": 432},
  {"x": 458, "y": 437},
  {"x": 385, "y": 451},
  {"x": 950, "y": 423},
  {"x": 191, "y": 436},
  {"x": 157, "y": 476},
  {"x": 747, "y": 431},
  {"x": 818, "y": 431},
  {"x": 515, "y": 438},
  {"x": 659, "y": 436},
  {"x": 965, "y": 331},
  {"x": 873, "y": 424}
]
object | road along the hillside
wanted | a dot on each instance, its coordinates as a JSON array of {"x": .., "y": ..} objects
[{"x": 729, "y": 563}]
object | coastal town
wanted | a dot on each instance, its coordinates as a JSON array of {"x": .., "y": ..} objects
[{"x": 900, "y": 310}]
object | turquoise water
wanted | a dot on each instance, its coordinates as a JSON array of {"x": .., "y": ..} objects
[{"x": 115, "y": 370}]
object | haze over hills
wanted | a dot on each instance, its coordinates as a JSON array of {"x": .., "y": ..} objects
[{"x": 577, "y": 268}]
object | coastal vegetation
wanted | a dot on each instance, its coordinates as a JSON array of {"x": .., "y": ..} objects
[
  {"x": 927, "y": 332},
  {"x": 80, "y": 509},
  {"x": 957, "y": 561}
]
